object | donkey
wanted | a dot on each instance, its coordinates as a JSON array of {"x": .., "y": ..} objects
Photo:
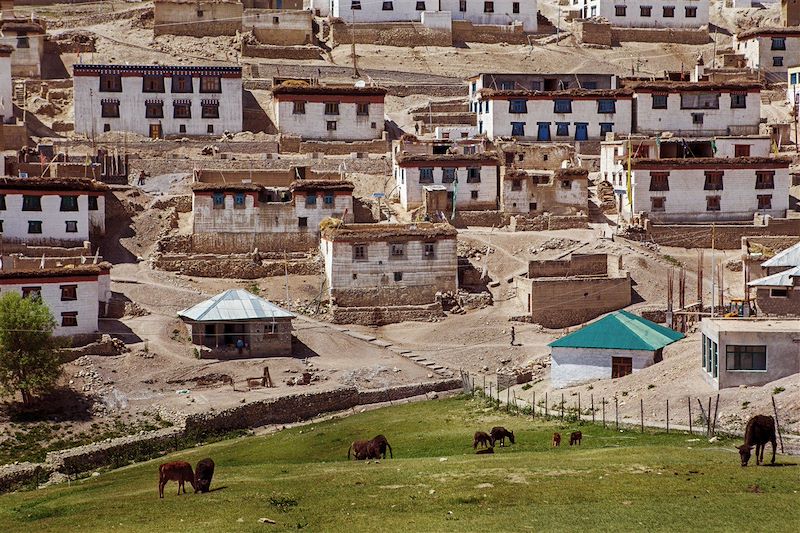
[
  {"x": 759, "y": 431},
  {"x": 483, "y": 439},
  {"x": 500, "y": 433}
]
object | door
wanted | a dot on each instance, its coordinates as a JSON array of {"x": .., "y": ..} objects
[
  {"x": 155, "y": 131},
  {"x": 741, "y": 150},
  {"x": 581, "y": 131},
  {"x": 621, "y": 366}
]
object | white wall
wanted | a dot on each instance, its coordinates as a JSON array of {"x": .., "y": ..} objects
[
  {"x": 455, "y": 132},
  {"x": 88, "y": 97},
  {"x": 15, "y": 220},
  {"x": 25, "y": 62},
  {"x": 6, "y": 98},
  {"x": 313, "y": 123},
  {"x": 412, "y": 194},
  {"x": 633, "y": 15},
  {"x": 722, "y": 121},
  {"x": 759, "y": 54},
  {"x": 574, "y": 366}
]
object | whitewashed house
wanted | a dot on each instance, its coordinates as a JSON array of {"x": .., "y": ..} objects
[
  {"x": 488, "y": 12},
  {"x": 793, "y": 85},
  {"x": 647, "y": 13},
  {"x": 6, "y": 95},
  {"x": 51, "y": 211},
  {"x": 328, "y": 112},
  {"x": 157, "y": 101},
  {"x": 708, "y": 189},
  {"x": 569, "y": 115},
  {"x": 769, "y": 50},
  {"x": 696, "y": 109},
  {"x": 26, "y": 38}
]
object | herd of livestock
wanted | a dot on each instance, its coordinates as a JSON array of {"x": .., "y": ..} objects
[{"x": 760, "y": 430}]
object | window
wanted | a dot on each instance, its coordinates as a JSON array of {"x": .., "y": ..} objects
[
  {"x": 276, "y": 20},
  {"x": 362, "y": 110},
  {"x": 426, "y": 175},
  {"x": 420, "y": 6},
  {"x": 704, "y": 346},
  {"x": 93, "y": 203},
  {"x": 302, "y": 222},
  {"x": 741, "y": 150},
  {"x": 779, "y": 293},
  {"x": 69, "y": 293},
  {"x": 516, "y": 185},
  {"x": 462, "y": 6},
  {"x": 219, "y": 200},
  {"x": 330, "y": 125},
  {"x": 739, "y": 357},
  {"x": 210, "y": 128},
  {"x": 398, "y": 276},
  {"x": 619, "y": 11},
  {"x": 429, "y": 250},
  {"x": 359, "y": 252},
  {"x": 515, "y": 7},
  {"x": 562, "y": 106},
  {"x": 31, "y": 203},
  {"x": 182, "y": 128},
  {"x": 566, "y": 184},
  {"x": 238, "y": 200},
  {"x": 518, "y": 106},
  {"x": 669, "y": 12},
  {"x": 311, "y": 199},
  {"x": 659, "y": 181},
  {"x": 182, "y": 83},
  {"x": 517, "y": 129},
  {"x": 2, "y": 202},
  {"x": 700, "y": 101},
  {"x": 327, "y": 200},
  {"x": 657, "y": 203},
  {"x": 154, "y": 110},
  {"x": 23, "y": 42},
  {"x": 209, "y": 109},
  {"x": 606, "y": 127},
  {"x": 738, "y": 101},
  {"x": 764, "y": 201},
  {"x": 793, "y": 78},
  {"x": 713, "y": 180},
  {"x": 69, "y": 203},
  {"x": 659, "y": 101},
  {"x": 397, "y": 250},
  {"x": 606, "y": 106},
  {"x": 532, "y": 206},
  {"x": 712, "y": 203},
  {"x": 562, "y": 129},
  {"x": 779, "y": 43},
  {"x": 110, "y": 83},
  {"x": 473, "y": 175},
  {"x": 355, "y": 5},
  {"x": 448, "y": 175},
  {"x": 152, "y": 83},
  {"x": 697, "y": 119},
  {"x": 210, "y": 84},
  {"x": 488, "y": 7},
  {"x": 109, "y": 108},
  {"x": 182, "y": 110},
  {"x": 199, "y": 12},
  {"x": 388, "y": 6},
  {"x": 473, "y": 195},
  {"x": 31, "y": 292},
  {"x": 69, "y": 319},
  {"x": 765, "y": 179},
  {"x": 331, "y": 108},
  {"x": 777, "y": 61},
  {"x": 34, "y": 226},
  {"x": 646, "y": 11},
  {"x": 691, "y": 12},
  {"x": 299, "y": 108}
]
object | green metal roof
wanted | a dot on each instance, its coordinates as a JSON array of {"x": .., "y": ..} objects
[{"x": 620, "y": 330}]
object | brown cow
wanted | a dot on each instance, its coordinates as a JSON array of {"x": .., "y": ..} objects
[
  {"x": 179, "y": 471},
  {"x": 370, "y": 449},
  {"x": 378, "y": 446},
  {"x": 500, "y": 433},
  {"x": 575, "y": 437},
  {"x": 203, "y": 474},
  {"x": 360, "y": 450},
  {"x": 484, "y": 439},
  {"x": 759, "y": 431},
  {"x": 556, "y": 439}
]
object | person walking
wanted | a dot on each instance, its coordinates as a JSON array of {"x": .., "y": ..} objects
[
  {"x": 513, "y": 336},
  {"x": 239, "y": 345}
]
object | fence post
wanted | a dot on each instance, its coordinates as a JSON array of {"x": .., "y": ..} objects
[
  {"x": 690, "y": 415},
  {"x": 603, "y": 402},
  {"x": 716, "y": 413},
  {"x": 546, "y": 408},
  {"x": 579, "y": 407},
  {"x": 483, "y": 390},
  {"x": 473, "y": 387},
  {"x": 533, "y": 405},
  {"x": 641, "y": 412},
  {"x": 667, "y": 416},
  {"x": 777, "y": 424},
  {"x": 592, "y": 400},
  {"x": 508, "y": 398},
  {"x": 708, "y": 419},
  {"x": 616, "y": 412},
  {"x": 491, "y": 396},
  {"x": 562, "y": 406}
]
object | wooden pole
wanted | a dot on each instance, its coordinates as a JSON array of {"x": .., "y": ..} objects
[
  {"x": 777, "y": 424},
  {"x": 690, "y": 416},
  {"x": 491, "y": 397},
  {"x": 508, "y": 397},
  {"x": 603, "y": 403},
  {"x": 473, "y": 387},
  {"x": 533, "y": 405},
  {"x": 667, "y": 416},
  {"x": 546, "y": 409},
  {"x": 592, "y": 400},
  {"x": 708, "y": 419},
  {"x": 641, "y": 412},
  {"x": 483, "y": 390},
  {"x": 579, "y": 406},
  {"x": 616, "y": 412},
  {"x": 716, "y": 414},
  {"x": 562, "y": 406}
]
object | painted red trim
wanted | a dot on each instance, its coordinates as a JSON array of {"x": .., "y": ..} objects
[
  {"x": 457, "y": 163},
  {"x": 39, "y": 192},
  {"x": 48, "y": 280},
  {"x": 323, "y": 98},
  {"x": 554, "y": 98},
  {"x": 713, "y": 166},
  {"x": 96, "y": 74},
  {"x": 699, "y": 90}
]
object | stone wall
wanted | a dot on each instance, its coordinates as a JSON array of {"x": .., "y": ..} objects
[
  {"x": 388, "y": 34},
  {"x": 547, "y": 222},
  {"x": 18, "y": 475},
  {"x": 597, "y": 33},
  {"x": 269, "y": 51},
  {"x": 376, "y": 146},
  {"x": 465, "y": 31},
  {"x": 238, "y": 243},
  {"x": 479, "y": 218},
  {"x": 241, "y": 267},
  {"x": 380, "y": 316},
  {"x": 386, "y": 294},
  {"x": 695, "y": 36},
  {"x": 727, "y": 237}
]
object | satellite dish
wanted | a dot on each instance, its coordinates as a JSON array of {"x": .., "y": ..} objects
[{"x": 361, "y": 84}]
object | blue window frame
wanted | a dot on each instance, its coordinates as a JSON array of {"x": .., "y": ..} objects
[
  {"x": 562, "y": 105},
  {"x": 448, "y": 175},
  {"x": 543, "y": 133},
  {"x": 311, "y": 199},
  {"x": 518, "y": 106},
  {"x": 562, "y": 129},
  {"x": 793, "y": 78},
  {"x": 517, "y": 129},
  {"x": 219, "y": 199},
  {"x": 238, "y": 199},
  {"x": 581, "y": 131},
  {"x": 327, "y": 199},
  {"x": 426, "y": 175},
  {"x": 606, "y": 106},
  {"x": 606, "y": 127},
  {"x": 779, "y": 43}
]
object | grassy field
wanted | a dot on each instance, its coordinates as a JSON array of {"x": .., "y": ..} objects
[{"x": 300, "y": 478}]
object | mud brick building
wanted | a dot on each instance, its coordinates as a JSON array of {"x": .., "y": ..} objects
[
  {"x": 26, "y": 38},
  {"x": 778, "y": 292},
  {"x": 197, "y": 18},
  {"x": 561, "y": 192},
  {"x": 648, "y": 13}
]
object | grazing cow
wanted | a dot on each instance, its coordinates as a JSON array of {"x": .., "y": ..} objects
[
  {"x": 379, "y": 444},
  {"x": 759, "y": 431},
  {"x": 179, "y": 471},
  {"x": 360, "y": 450},
  {"x": 500, "y": 433},
  {"x": 370, "y": 449},
  {"x": 490, "y": 449},
  {"x": 556, "y": 439},
  {"x": 484, "y": 439},
  {"x": 575, "y": 437},
  {"x": 203, "y": 474}
]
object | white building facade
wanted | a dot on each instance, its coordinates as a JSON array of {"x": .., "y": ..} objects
[
  {"x": 648, "y": 13},
  {"x": 157, "y": 101},
  {"x": 771, "y": 51}
]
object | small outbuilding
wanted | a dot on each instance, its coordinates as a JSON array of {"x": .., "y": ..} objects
[
  {"x": 618, "y": 344},
  {"x": 237, "y": 323}
]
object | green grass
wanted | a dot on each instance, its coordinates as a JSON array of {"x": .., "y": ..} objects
[{"x": 300, "y": 478}]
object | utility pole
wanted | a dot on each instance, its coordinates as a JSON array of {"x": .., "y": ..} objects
[
  {"x": 713, "y": 274},
  {"x": 356, "y": 74}
]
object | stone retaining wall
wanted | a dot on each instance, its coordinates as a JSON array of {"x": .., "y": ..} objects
[
  {"x": 727, "y": 236},
  {"x": 388, "y": 34},
  {"x": 224, "y": 266},
  {"x": 380, "y": 316},
  {"x": 268, "y": 51}
]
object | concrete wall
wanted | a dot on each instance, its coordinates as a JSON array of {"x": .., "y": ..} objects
[
  {"x": 412, "y": 194},
  {"x": 197, "y": 19},
  {"x": 575, "y": 366},
  {"x": 776, "y": 305},
  {"x": 634, "y": 17},
  {"x": 272, "y": 26},
  {"x": 54, "y": 227},
  {"x": 313, "y": 123}
]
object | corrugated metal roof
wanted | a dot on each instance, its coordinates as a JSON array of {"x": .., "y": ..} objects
[
  {"x": 234, "y": 304},
  {"x": 789, "y": 257},
  {"x": 781, "y": 279},
  {"x": 620, "y": 330}
]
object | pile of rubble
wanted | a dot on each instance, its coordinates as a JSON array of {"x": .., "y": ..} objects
[
  {"x": 553, "y": 244},
  {"x": 465, "y": 249},
  {"x": 532, "y": 371},
  {"x": 605, "y": 194}
]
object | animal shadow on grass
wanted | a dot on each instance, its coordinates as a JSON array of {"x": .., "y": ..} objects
[
  {"x": 215, "y": 489},
  {"x": 63, "y": 402},
  {"x": 780, "y": 464}
]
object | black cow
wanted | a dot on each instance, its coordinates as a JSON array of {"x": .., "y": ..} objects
[
  {"x": 759, "y": 431},
  {"x": 203, "y": 474}
]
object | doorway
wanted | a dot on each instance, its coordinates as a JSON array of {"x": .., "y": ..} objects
[
  {"x": 621, "y": 366},
  {"x": 155, "y": 131}
]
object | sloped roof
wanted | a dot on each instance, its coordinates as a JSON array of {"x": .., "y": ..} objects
[
  {"x": 234, "y": 304},
  {"x": 789, "y": 257},
  {"x": 620, "y": 330},
  {"x": 781, "y": 279}
]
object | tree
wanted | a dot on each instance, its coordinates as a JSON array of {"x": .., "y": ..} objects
[{"x": 29, "y": 357}]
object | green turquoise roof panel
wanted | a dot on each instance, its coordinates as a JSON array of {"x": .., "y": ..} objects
[{"x": 620, "y": 330}]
